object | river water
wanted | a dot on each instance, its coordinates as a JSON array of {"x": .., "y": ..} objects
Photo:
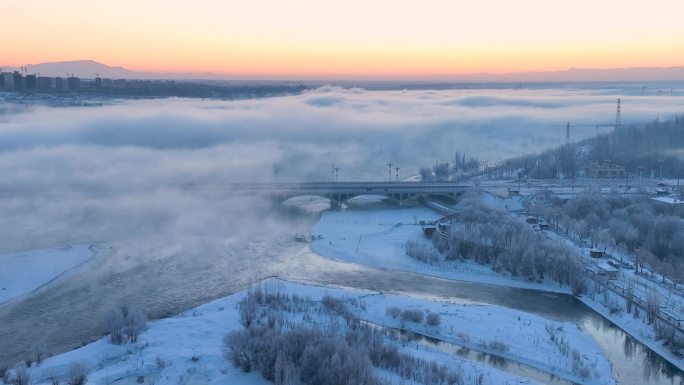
[{"x": 71, "y": 312}]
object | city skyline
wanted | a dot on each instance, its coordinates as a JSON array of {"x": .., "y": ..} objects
[{"x": 310, "y": 39}]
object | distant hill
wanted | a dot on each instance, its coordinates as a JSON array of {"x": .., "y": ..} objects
[
  {"x": 90, "y": 69},
  {"x": 591, "y": 75}
]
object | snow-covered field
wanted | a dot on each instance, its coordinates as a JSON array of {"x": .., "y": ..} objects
[
  {"x": 377, "y": 238},
  {"x": 24, "y": 272},
  {"x": 187, "y": 349}
]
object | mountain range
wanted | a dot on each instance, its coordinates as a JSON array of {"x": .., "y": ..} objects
[{"x": 91, "y": 69}]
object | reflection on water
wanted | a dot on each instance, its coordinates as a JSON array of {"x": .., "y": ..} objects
[
  {"x": 632, "y": 360},
  {"x": 495, "y": 361}
]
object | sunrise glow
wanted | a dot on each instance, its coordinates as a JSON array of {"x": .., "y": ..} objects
[{"x": 351, "y": 38}]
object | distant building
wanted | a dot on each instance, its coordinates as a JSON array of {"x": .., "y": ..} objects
[
  {"x": 6, "y": 81},
  {"x": 606, "y": 169},
  {"x": 59, "y": 84},
  {"x": 606, "y": 270},
  {"x": 44, "y": 83},
  {"x": 18, "y": 82},
  {"x": 30, "y": 83},
  {"x": 73, "y": 83}
]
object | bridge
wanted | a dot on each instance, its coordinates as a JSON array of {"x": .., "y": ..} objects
[{"x": 339, "y": 192}]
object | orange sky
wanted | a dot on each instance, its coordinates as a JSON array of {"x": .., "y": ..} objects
[{"x": 350, "y": 38}]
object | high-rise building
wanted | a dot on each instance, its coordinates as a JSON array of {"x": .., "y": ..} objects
[
  {"x": 59, "y": 84},
  {"x": 73, "y": 83},
  {"x": 44, "y": 83},
  {"x": 8, "y": 81},
  {"x": 17, "y": 82},
  {"x": 30, "y": 83}
]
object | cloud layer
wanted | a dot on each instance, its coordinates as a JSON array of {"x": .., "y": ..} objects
[{"x": 151, "y": 168}]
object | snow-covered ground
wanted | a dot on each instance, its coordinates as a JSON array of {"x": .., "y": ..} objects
[
  {"x": 475, "y": 326},
  {"x": 377, "y": 238},
  {"x": 25, "y": 272},
  {"x": 187, "y": 349}
]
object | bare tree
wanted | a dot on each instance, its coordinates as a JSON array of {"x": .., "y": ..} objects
[
  {"x": 248, "y": 310},
  {"x": 39, "y": 352},
  {"x": 78, "y": 374},
  {"x": 125, "y": 324},
  {"x": 21, "y": 375},
  {"x": 433, "y": 319}
]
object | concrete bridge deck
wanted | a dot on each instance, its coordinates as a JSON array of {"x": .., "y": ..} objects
[{"x": 342, "y": 191}]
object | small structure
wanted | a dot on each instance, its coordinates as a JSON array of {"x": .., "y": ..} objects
[
  {"x": 532, "y": 220},
  {"x": 301, "y": 238},
  {"x": 607, "y": 271},
  {"x": 596, "y": 253},
  {"x": 661, "y": 189},
  {"x": 605, "y": 169},
  {"x": 429, "y": 229}
]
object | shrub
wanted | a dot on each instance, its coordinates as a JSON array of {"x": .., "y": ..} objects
[
  {"x": 125, "y": 324},
  {"x": 237, "y": 349},
  {"x": 78, "y": 374},
  {"x": 498, "y": 346},
  {"x": 248, "y": 310},
  {"x": 433, "y": 319},
  {"x": 21, "y": 375},
  {"x": 415, "y": 316},
  {"x": 393, "y": 312},
  {"x": 4, "y": 374},
  {"x": 38, "y": 352}
]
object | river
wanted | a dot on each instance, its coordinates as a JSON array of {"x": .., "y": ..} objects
[{"x": 70, "y": 312}]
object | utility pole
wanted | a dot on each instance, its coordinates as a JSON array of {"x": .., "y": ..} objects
[
  {"x": 573, "y": 182},
  {"x": 627, "y": 181},
  {"x": 660, "y": 172},
  {"x": 567, "y": 134},
  {"x": 618, "y": 120},
  {"x": 389, "y": 165}
]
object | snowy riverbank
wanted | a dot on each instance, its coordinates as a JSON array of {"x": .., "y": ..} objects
[
  {"x": 188, "y": 348},
  {"x": 25, "y": 272},
  {"x": 377, "y": 238}
]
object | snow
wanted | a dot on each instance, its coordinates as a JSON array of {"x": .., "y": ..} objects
[
  {"x": 189, "y": 345},
  {"x": 668, "y": 200},
  {"x": 505, "y": 202},
  {"x": 24, "y": 272},
  {"x": 377, "y": 238},
  {"x": 473, "y": 326}
]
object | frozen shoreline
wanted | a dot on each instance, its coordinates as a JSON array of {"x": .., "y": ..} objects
[
  {"x": 26, "y": 272},
  {"x": 380, "y": 244},
  {"x": 190, "y": 344}
]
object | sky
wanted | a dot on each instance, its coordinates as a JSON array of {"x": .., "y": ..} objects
[{"x": 352, "y": 38}]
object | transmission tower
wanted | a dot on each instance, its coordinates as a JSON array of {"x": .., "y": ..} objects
[
  {"x": 567, "y": 134},
  {"x": 618, "y": 123}
]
